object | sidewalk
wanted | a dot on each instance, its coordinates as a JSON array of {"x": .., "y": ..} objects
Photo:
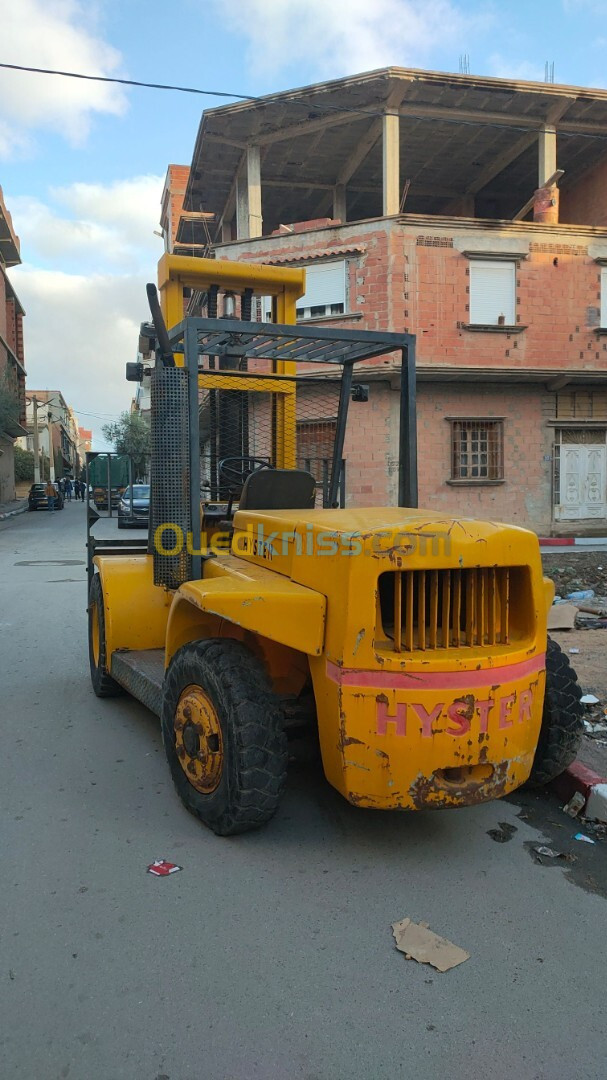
[{"x": 11, "y": 509}]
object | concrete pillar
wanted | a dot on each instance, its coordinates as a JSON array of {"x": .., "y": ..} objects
[
  {"x": 546, "y": 154},
  {"x": 391, "y": 164},
  {"x": 248, "y": 196},
  {"x": 339, "y": 203}
]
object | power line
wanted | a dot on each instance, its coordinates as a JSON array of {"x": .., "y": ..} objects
[
  {"x": 325, "y": 107},
  {"x": 98, "y": 416},
  {"x": 125, "y": 82}
]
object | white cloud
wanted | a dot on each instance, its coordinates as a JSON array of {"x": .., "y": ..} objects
[
  {"x": 504, "y": 68},
  {"x": 131, "y": 207},
  {"x": 594, "y": 7},
  {"x": 79, "y": 333},
  {"x": 59, "y": 34},
  {"x": 95, "y": 227},
  {"x": 347, "y": 36},
  {"x": 82, "y": 326}
]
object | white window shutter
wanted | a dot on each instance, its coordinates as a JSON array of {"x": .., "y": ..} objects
[
  {"x": 604, "y": 296},
  {"x": 492, "y": 292},
  {"x": 325, "y": 284}
]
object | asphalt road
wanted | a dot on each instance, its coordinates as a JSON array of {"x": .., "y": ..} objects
[{"x": 270, "y": 956}]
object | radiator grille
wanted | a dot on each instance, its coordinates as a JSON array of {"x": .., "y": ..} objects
[{"x": 447, "y": 609}]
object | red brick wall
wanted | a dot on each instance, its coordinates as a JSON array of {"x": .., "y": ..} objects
[
  {"x": 401, "y": 278},
  {"x": 172, "y": 202},
  {"x": 524, "y": 498},
  {"x": 586, "y": 202},
  {"x": 3, "y": 311},
  {"x": 415, "y": 278}
]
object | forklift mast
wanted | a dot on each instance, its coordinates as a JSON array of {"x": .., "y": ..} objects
[{"x": 232, "y": 394}]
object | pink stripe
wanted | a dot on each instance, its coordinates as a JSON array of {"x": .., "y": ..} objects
[{"x": 435, "y": 680}]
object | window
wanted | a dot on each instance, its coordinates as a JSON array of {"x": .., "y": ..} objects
[
  {"x": 581, "y": 404},
  {"x": 492, "y": 292},
  {"x": 326, "y": 294},
  {"x": 603, "y": 297},
  {"x": 477, "y": 450},
  {"x": 325, "y": 291}
]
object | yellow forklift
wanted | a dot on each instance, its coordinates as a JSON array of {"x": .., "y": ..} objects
[{"x": 263, "y": 604}]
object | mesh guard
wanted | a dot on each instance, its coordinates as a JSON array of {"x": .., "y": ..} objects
[{"x": 170, "y": 475}]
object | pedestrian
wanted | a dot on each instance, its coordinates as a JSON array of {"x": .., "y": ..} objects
[
  {"x": 82, "y": 489},
  {"x": 68, "y": 489},
  {"x": 51, "y": 494}
]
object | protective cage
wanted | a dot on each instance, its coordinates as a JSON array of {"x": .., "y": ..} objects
[
  {"x": 268, "y": 395},
  {"x": 267, "y": 420}
]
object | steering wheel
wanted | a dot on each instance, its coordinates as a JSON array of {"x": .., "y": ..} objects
[{"x": 233, "y": 471}]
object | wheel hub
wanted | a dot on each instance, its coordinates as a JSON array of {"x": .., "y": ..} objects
[
  {"x": 191, "y": 739},
  {"x": 198, "y": 739}
]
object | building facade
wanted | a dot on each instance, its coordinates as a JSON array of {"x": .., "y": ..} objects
[
  {"x": 12, "y": 369},
  {"x": 469, "y": 212},
  {"x": 58, "y": 438}
]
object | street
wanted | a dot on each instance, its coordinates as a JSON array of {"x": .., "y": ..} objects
[{"x": 270, "y": 955}]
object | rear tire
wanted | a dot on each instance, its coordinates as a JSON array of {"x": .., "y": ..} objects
[
  {"x": 103, "y": 684},
  {"x": 562, "y": 721},
  {"x": 223, "y": 735}
]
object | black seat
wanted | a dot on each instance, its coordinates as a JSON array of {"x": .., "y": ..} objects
[{"x": 278, "y": 489}]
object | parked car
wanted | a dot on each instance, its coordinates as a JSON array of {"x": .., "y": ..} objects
[
  {"x": 37, "y": 500},
  {"x": 135, "y": 510}
]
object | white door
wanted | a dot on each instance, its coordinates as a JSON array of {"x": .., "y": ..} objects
[{"x": 583, "y": 483}]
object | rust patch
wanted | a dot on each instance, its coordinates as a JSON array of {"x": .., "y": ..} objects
[
  {"x": 469, "y": 702},
  {"x": 363, "y": 800},
  {"x": 349, "y": 740},
  {"x": 428, "y": 791}
]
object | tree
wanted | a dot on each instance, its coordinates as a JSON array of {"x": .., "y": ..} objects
[
  {"x": 130, "y": 434},
  {"x": 24, "y": 465},
  {"x": 9, "y": 404}
]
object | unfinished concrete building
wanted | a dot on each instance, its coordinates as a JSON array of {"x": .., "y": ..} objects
[{"x": 469, "y": 211}]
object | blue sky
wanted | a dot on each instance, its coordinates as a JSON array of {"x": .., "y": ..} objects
[{"x": 82, "y": 164}]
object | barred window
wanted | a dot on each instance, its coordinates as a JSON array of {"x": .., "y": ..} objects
[{"x": 477, "y": 449}]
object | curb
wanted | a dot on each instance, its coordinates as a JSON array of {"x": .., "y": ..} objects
[
  {"x": 13, "y": 513},
  {"x": 593, "y": 787},
  {"x": 572, "y": 541}
]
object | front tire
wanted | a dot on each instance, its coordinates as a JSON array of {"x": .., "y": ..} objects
[
  {"x": 103, "y": 684},
  {"x": 223, "y": 735},
  {"x": 562, "y": 721}
]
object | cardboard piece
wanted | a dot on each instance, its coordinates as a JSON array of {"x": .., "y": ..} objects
[
  {"x": 562, "y": 617},
  {"x": 420, "y": 943}
]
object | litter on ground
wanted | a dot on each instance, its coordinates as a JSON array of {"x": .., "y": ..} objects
[
  {"x": 585, "y": 839},
  {"x": 420, "y": 943},
  {"x": 162, "y": 868},
  {"x": 576, "y": 803}
]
